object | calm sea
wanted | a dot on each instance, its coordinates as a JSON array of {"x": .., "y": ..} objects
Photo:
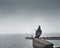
[
  {"x": 19, "y": 41},
  {"x": 15, "y": 41}
]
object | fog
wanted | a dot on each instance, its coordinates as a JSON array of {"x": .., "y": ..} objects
[{"x": 24, "y": 16}]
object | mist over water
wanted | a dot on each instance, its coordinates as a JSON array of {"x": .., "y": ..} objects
[
  {"x": 24, "y": 16},
  {"x": 19, "y": 41},
  {"x": 14, "y": 41}
]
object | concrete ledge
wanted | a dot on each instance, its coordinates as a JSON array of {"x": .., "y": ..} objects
[{"x": 41, "y": 43}]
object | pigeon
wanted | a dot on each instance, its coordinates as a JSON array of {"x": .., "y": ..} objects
[{"x": 38, "y": 32}]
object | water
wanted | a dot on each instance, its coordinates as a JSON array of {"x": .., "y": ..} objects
[
  {"x": 14, "y": 41},
  {"x": 19, "y": 41}
]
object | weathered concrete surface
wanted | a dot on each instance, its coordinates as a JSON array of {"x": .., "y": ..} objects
[{"x": 41, "y": 43}]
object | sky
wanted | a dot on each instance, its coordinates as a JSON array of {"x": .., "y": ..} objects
[{"x": 24, "y": 16}]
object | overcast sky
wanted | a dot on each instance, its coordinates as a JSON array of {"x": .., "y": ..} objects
[{"x": 24, "y": 16}]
